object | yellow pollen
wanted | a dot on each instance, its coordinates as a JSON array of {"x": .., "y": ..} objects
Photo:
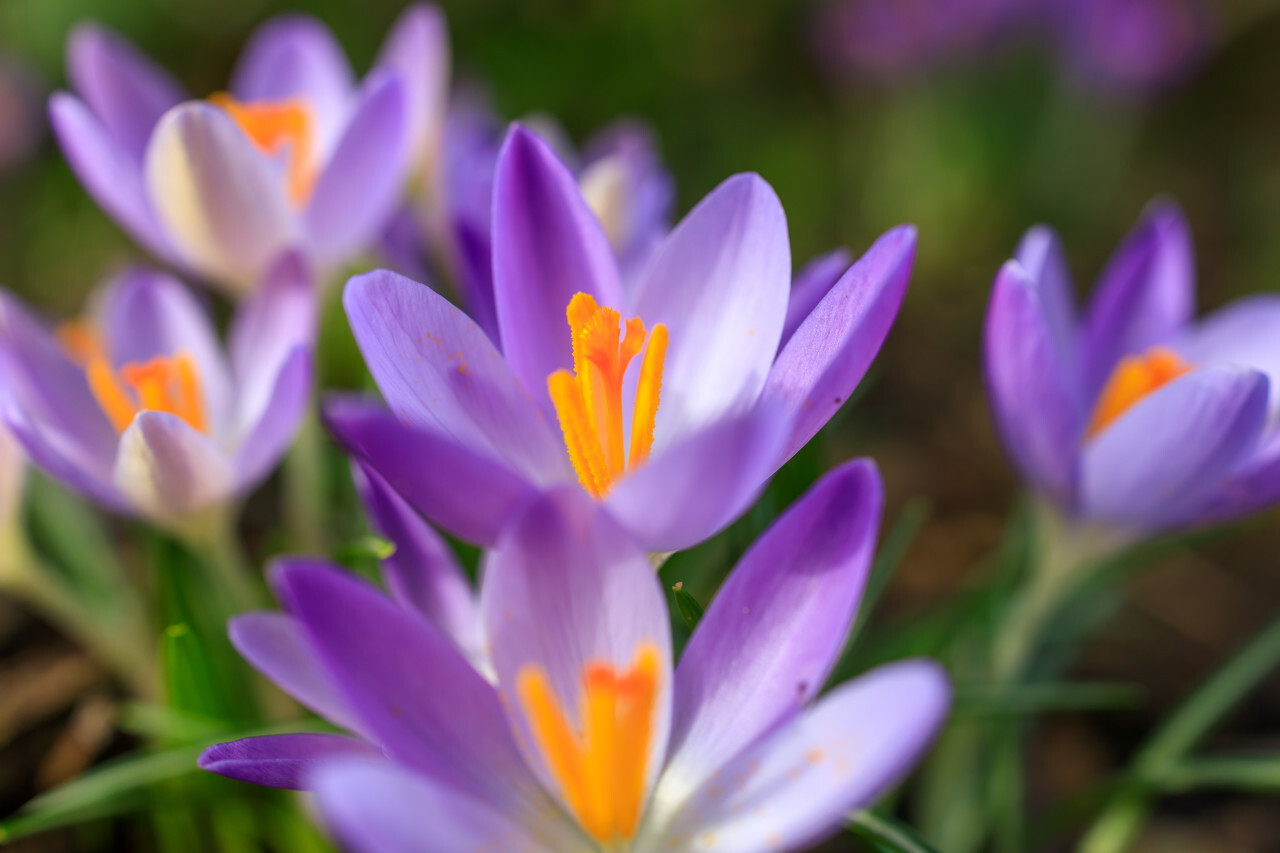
[
  {"x": 163, "y": 384},
  {"x": 274, "y": 126},
  {"x": 600, "y": 768},
  {"x": 588, "y": 401},
  {"x": 1134, "y": 378}
]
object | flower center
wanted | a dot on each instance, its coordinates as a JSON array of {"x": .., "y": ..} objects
[
  {"x": 1134, "y": 378},
  {"x": 600, "y": 767},
  {"x": 163, "y": 384},
  {"x": 277, "y": 127},
  {"x": 588, "y": 401}
]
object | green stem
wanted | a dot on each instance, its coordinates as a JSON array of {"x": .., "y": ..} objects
[
  {"x": 216, "y": 545},
  {"x": 305, "y": 487},
  {"x": 1119, "y": 824}
]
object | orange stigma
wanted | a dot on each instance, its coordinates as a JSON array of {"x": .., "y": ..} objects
[
  {"x": 163, "y": 384},
  {"x": 601, "y": 766},
  {"x": 274, "y": 126},
  {"x": 588, "y": 401},
  {"x": 1134, "y": 378}
]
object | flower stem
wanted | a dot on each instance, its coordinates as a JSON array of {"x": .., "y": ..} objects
[{"x": 305, "y": 487}]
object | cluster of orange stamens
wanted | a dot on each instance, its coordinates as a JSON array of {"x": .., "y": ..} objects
[
  {"x": 274, "y": 126},
  {"x": 600, "y": 767},
  {"x": 588, "y": 401},
  {"x": 1134, "y": 378},
  {"x": 163, "y": 384}
]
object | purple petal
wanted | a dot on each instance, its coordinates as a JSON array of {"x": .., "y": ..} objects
[
  {"x": 1168, "y": 452},
  {"x": 720, "y": 284},
  {"x": 796, "y": 785},
  {"x": 422, "y": 574},
  {"x": 274, "y": 645},
  {"x": 381, "y": 808},
  {"x": 1028, "y": 385},
  {"x": 62, "y": 457},
  {"x": 1145, "y": 296},
  {"x": 126, "y": 91},
  {"x": 547, "y": 246},
  {"x": 565, "y": 588},
  {"x": 1255, "y": 485},
  {"x": 438, "y": 370},
  {"x": 109, "y": 174},
  {"x": 768, "y": 641},
  {"x": 466, "y": 492},
  {"x": 417, "y": 48},
  {"x": 220, "y": 199},
  {"x": 411, "y": 687},
  {"x": 271, "y": 436},
  {"x": 282, "y": 761},
  {"x": 829, "y": 354},
  {"x": 169, "y": 471},
  {"x": 362, "y": 181},
  {"x": 693, "y": 490},
  {"x": 1245, "y": 333},
  {"x": 295, "y": 55},
  {"x": 1041, "y": 257},
  {"x": 145, "y": 313},
  {"x": 810, "y": 285},
  {"x": 475, "y": 275},
  {"x": 626, "y": 184}
]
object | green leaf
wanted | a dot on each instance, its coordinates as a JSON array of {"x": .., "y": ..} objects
[
  {"x": 690, "y": 610},
  {"x": 884, "y": 834},
  {"x": 368, "y": 547},
  {"x": 1030, "y": 699},
  {"x": 158, "y": 722},
  {"x": 1254, "y": 773}
]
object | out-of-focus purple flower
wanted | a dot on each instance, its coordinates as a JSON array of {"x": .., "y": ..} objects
[
  {"x": 590, "y": 737},
  {"x": 21, "y": 119},
  {"x": 295, "y": 157},
  {"x": 674, "y": 422},
  {"x": 1132, "y": 45},
  {"x": 1135, "y": 415},
  {"x": 140, "y": 408}
]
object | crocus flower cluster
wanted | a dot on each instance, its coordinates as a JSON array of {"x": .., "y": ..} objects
[
  {"x": 138, "y": 406},
  {"x": 294, "y": 156},
  {"x": 670, "y": 399},
  {"x": 585, "y": 736},
  {"x": 1135, "y": 415}
]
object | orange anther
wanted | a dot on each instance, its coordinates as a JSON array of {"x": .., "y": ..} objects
[
  {"x": 274, "y": 126},
  {"x": 1134, "y": 378}
]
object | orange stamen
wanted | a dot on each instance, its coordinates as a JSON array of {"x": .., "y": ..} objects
[
  {"x": 274, "y": 126},
  {"x": 601, "y": 770},
  {"x": 588, "y": 401},
  {"x": 81, "y": 340},
  {"x": 1134, "y": 378}
]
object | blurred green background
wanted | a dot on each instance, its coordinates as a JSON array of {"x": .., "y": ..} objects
[{"x": 972, "y": 155}]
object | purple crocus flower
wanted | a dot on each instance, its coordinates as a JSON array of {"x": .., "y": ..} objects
[
  {"x": 1135, "y": 415},
  {"x": 140, "y": 408},
  {"x": 294, "y": 157},
  {"x": 725, "y": 386},
  {"x": 590, "y": 737}
]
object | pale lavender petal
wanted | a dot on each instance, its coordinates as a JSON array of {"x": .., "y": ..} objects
[
  {"x": 1253, "y": 486},
  {"x": 293, "y": 56},
  {"x": 1028, "y": 386},
  {"x": 417, "y": 48},
  {"x": 362, "y": 181},
  {"x": 282, "y": 761},
  {"x": 547, "y": 246},
  {"x": 411, "y": 687},
  {"x": 1145, "y": 296},
  {"x": 144, "y": 313},
  {"x": 808, "y": 287},
  {"x": 438, "y": 370},
  {"x": 1245, "y": 333},
  {"x": 1168, "y": 452},
  {"x": 631, "y": 191},
  {"x": 381, "y": 808},
  {"x": 693, "y": 490},
  {"x": 720, "y": 284},
  {"x": 475, "y": 274},
  {"x": 423, "y": 573},
  {"x": 126, "y": 91},
  {"x": 263, "y": 446},
  {"x": 1041, "y": 257},
  {"x": 109, "y": 174},
  {"x": 564, "y": 588},
  {"x": 466, "y": 492},
  {"x": 829, "y": 354},
  {"x": 169, "y": 471},
  {"x": 768, "y": 641},
  {"x": 796, "y": 785},
  {"x": 221, "y": 200},
  {"x": 273, "y": 643},
  {"x": 64, "y": 458}
]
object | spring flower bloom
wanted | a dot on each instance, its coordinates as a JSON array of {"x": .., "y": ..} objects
[
  {"x": 139, "y": 407},
  {"x": 590, "y": 739},
  {"x": 1135, "y": 415},
  {"x": 671, "y": 402},
  {"x": 294, "y": 156}
]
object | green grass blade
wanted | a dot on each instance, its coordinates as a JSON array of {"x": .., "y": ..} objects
[{"x": 885, "y": 834}]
